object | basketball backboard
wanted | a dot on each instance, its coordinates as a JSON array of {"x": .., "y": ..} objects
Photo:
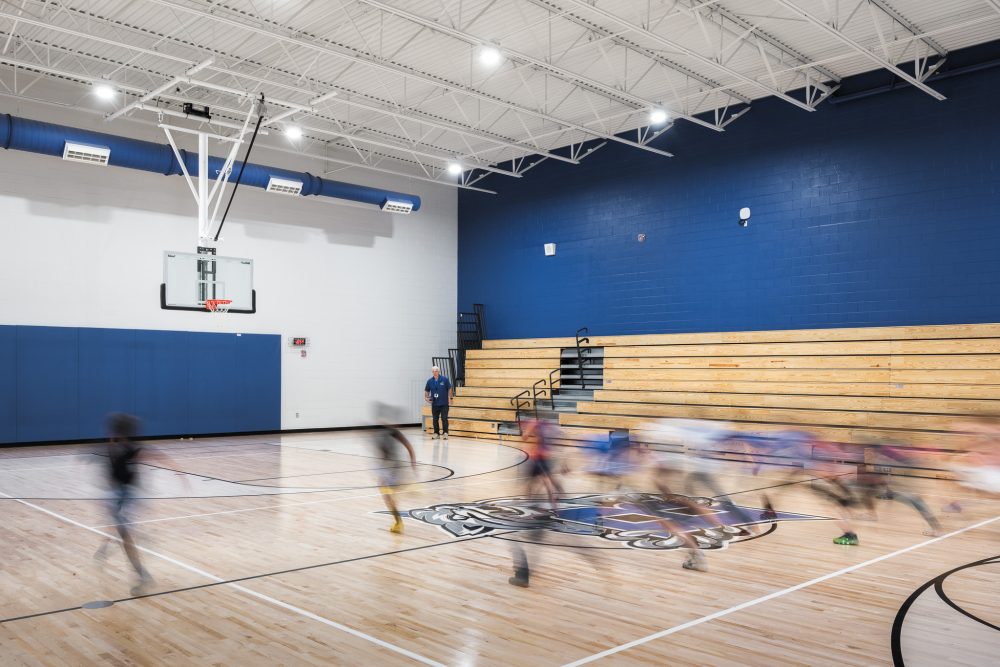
[{"x": 190, "y": 279}]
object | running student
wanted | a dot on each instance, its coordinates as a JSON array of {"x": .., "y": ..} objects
[
  {"x": 537, "y": 436},
  {"x": 810, "y": 459},
  {"x": 389, "y": 446},
  {"x": 125, "y": 454}
]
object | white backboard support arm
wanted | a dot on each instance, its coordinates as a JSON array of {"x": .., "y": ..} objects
[{"x": 208, "y": 201}]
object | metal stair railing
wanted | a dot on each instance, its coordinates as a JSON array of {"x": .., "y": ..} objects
[
  {"x": 518, "y": 405},
  {"x": 536, "y": 392},
  {"x": 579, "y": 353},
  {"x": 552, "y": 388}
]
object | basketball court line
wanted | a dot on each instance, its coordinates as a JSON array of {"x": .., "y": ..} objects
[
  {"x": 771, "y": 596},
  {"x": 316, "y": 474},
  {"x": 243, "y": 589},
  {"x": 309, "y": 502}
]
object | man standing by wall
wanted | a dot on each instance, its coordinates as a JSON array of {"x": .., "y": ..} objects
[{"x": 437, "y": 392}]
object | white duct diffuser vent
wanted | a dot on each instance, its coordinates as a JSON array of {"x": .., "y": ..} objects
[
  {"x": 87, "y": 154},
  {"x": 395, "y": 206},
  {"x": 283, "y": 186}
]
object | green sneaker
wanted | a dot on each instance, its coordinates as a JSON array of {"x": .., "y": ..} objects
[{"x": 849, "y": 539}]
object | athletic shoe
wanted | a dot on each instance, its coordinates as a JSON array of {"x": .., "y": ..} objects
[
  {"x": 518, "y": 581},
  {"x": 696, "y": 562},
  {"x": 397, "y": 527},
  {"x": 848, "y": 539},
  {"x": 141, "y": 588},
  {"x": 445, "y": 436},
  {"x": 435, "y": 436}
]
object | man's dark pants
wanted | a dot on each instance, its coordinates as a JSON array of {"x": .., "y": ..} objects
[{"x": 439, "y": 412}]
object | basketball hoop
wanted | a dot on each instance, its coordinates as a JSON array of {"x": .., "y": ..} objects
[{"x": 218, "y": 305}]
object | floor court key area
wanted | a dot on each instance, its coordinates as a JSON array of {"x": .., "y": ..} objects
[{"x": 313, "y": 576}]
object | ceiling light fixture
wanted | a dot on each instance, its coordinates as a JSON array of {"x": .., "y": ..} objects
[
  {"x": 293, "y": 132},
  {"x": 454, "y": 168},
  {"x": 490, "y": 56},
  {"x": 658, "y": 116},
  {"x": 104, "y": 91}
]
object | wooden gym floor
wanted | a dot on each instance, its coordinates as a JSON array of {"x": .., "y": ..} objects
[{"x": 270, "y": 550}]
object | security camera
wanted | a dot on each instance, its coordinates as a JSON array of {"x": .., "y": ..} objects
[{"x": 744, "y": 216}]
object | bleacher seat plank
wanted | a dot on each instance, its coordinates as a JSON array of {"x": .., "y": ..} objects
[
  {"x": 476, "y": 402},
  {"x": 515, "y": 353},
  {"x": 947, "y": 346},
  {"x": 492, "y": 344},
  {"x": 787, "y": 362},
  {"x": 488, "y": 392},
  {"x": 752, "y": 375},
  {"x": 829, "y": 388},
  {"x": 847, "y": 348},
  {"x": 547, "y": 364},
  {"x": 868, "y": 403}
]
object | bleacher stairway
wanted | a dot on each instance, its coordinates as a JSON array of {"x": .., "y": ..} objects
[{"x": 581, "y": 371}]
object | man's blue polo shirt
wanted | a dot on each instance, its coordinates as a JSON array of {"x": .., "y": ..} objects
[{"x": 439, "y": 390}]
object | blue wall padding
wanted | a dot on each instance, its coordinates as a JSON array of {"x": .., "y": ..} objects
[
  {"x": 60, "y": 383},
  {"x": 258, "y": 391},
  {"x": 162, "y": 361},
  {"x": 106, "y": 377},
  {"x": 8, "y": 383},
  {"x": 875, "y": 212},
  {"x": 48, "y": 372},
  {"x": 213, "y": 397}
]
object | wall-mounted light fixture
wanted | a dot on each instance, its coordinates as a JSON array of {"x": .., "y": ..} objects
[{"x": 744, "y": 216}]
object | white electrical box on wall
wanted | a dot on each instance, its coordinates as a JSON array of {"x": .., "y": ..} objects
[{"x": 550, "y": 249}]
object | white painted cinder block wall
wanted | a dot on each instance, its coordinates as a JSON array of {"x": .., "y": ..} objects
[{"x": 375, "y": 293}]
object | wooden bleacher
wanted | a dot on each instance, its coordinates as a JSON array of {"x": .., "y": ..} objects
[{"x": 905, "y": 384}]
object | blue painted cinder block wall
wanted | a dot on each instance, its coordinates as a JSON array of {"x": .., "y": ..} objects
[
  {"x": 60, "y": 383},
  {"x": 879, "y": 211}
]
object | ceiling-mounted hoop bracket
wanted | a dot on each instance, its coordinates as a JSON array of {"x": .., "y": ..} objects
[{"x": 208, "y": 201}]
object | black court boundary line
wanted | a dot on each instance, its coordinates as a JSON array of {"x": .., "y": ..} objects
[
  {"x": 292, "y": 488},
  {"x": 315, "y": 474},
  {"x": 939, "y": 589},
  {"x": 897, "y": 623},
  {"x": 252, "y": 577}
]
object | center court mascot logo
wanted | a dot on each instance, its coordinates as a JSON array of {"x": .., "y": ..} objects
[{"x": 627, "y": 519}]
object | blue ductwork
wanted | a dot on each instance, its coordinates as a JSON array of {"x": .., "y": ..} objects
[{"x": 49, "y": 139}]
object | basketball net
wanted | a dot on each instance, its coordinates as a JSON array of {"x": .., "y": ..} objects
[{"x": 218, "y": 305}]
